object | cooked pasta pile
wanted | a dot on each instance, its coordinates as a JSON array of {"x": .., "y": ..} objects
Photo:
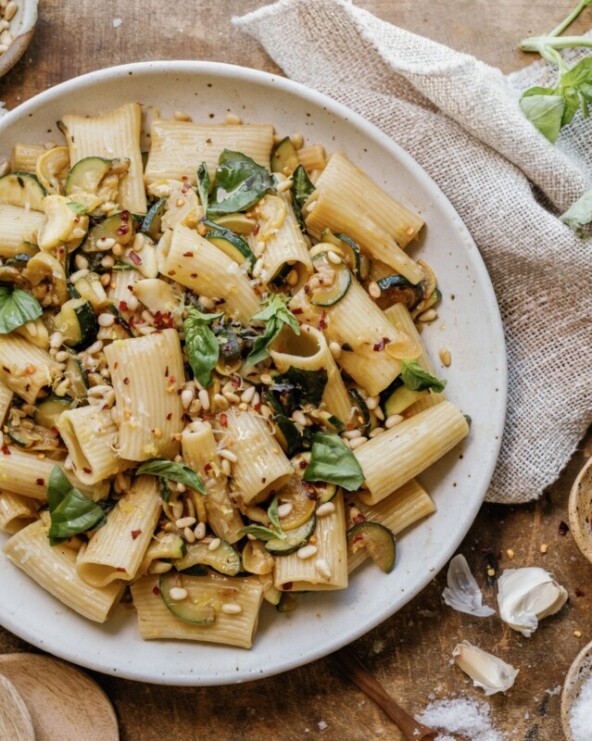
[{"x": 212, "y": 386}]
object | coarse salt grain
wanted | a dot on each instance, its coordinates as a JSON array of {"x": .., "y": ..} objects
[
  {"x": 468, "y": 718},
  {"x": 579, "y": 714}
]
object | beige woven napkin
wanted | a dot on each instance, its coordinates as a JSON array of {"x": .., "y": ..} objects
[{"x": 459, "y": 118}]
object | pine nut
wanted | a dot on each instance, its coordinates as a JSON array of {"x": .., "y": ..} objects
[
  {"x": 306, "y": 551},
  {"x": 231, "y": 608},
  {"x": 393, "y": 420},
  {"x": 106, "y": 320},
  {"x": 325, "y": 509},
  {"x": 214, "y": 545},
  {"x": 178, "y": 593},
  {"x": 184, "y": 522}
]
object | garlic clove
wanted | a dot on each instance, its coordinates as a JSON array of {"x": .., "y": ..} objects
[
  {"x": 528, "y": 595},
  {"x": 463, "y": 593},
  {"x": 487, "y": 671}
]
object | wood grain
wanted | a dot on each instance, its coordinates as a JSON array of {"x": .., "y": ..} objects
[
  {"x": 409, "y": 653},
  {"x": 15, "y": 719}
]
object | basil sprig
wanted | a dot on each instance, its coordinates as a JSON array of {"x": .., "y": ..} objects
[
  {"x": 275, "y": 315},
  {"x": 417, "y": 378},
  {"x": 302, "y": 189},
  {"x": 201, "y": 344},
  {"x": 267, "y": 533},
  {"x": 17, "y": 307},
  {"x": 171, "y": 471},
  {"x": 71, "y": 512},
  {"x": 239, "y": 184},
  {"x": 333, "y": 462}
]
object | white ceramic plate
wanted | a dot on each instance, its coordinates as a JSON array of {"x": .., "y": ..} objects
[{"x": 468, "y": 324}]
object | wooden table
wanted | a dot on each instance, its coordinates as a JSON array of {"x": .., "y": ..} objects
[{"x": 409, "y": 653}]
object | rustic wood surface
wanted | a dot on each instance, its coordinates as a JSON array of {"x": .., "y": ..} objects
[{"x": 410, "y": 653}]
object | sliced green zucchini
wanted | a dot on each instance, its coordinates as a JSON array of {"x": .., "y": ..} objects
[
  {"x": 273, "y": 596},
  {"x": 360, "y": 402},
  {"x": 347, "y": 248},
  {"x": 401, "y": 399},
  {"x": 22, "y": 189},
  {"x": 166, "y": 545},
  {"x": 120, "y": 227},
  {"x": 87, "y": 174},
  {"x": 77, "y": 322},
  {"x": 324, "y": 491},
  {"x": 303, "y": 498},
  {"x": 377, "y": 540},
  {"x": 239, "y": 223},
  {"x": 338, "y": 277},
  {"x": 152, "y": 223},
  {"x": 294, "y": 539},
  {"x": 49, "y": 411},
  {"x": 78, "y": 381},
  {"x": 327, "y": 420},
  {"x": 434, "y": 298},
  {"x": 396, "y": 289},
  {"x": 288, "y": 601},
  {"x": 34, "y": 438},
  {"x": 223, "y": 559},
  {"x": 284, "y": 158},
  {"x": 230, "y": 243},
  {"x": 189, "y": 608},
  {"x": 256, "y": 559}
]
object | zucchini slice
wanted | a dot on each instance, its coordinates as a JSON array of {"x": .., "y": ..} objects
[
  {"x": 152, "y": 222},
  {"x": 230, "y": 243},
  {"x": 238, "y": 222},
  {"x": 288, "y": 601},
  {"x": 338, "y": 276},
  {"x": 303, "y": 498},
  {"x": 87, "y": 174},
  {"x": 49, "y": 411},
  {"x": 294, "y": 539},
  {"x": 121, "y": 227},
  {"x": 396, "y": 289},
  {"x": 401, "y": 399},
  {"x": 52, "y": 168},
  {"x": 22, "y": 189},
  {"x": 167, "y": 545},
  {"x": 359, "y": 401},
  {"x": 36, "y": 438},
  {"x": 189, "y": 609},
  {"x": 377, "y": 540},
  {"x": 284, "y": 158},
  {"x": 78, "y": 381},
  {"x": 224, "y": 559},
  {"x": 347, "y": 248},
  {"x": 324, "y": 491},
  {"x": 288, "y": 435},
  {"x": 77, "y": 322}
]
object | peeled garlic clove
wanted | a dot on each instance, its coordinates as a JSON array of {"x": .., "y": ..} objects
[
  {"x": 487, "y": 671},
  {"x": 527, "y": 595},
  {"x": 463, "y": 593}
]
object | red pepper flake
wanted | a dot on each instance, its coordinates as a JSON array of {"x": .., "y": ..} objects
[
  {"x": 126, "y": 381},
  {"x": 123, "y": 306},
  {"x": 54, "y": 431},
  {"x": 224, "y": 420},
  {"x": 578, "y": 592},
  {"x": 303, "y": 465},
  {"x": 208, "y": 468},
  {"x": 5, "y": 449},
  {"x": 359, "y": 518},
  {"x": 156, "y": 590},
  {"x": 322, "y": 321},
  {"x": 124, "y": 228},
  {"x": 171, "y": 272},
  {"x": 255, "y": 231},
  {"x": 193, "y": 275},
  {"x": 169, "y": 415},
  {"x": 287, "y": 586},
  {"x": 166, "y": 371},
  {"x": 297, "y": 311},
  {"x": 87, "y": 470},
  {"x": 188, "y": 254},
  {"x": 563, "y": 528},
  {"x": 379, "y": 346},
  {"x": 120, "y": 568},
  {"x": 172, "y": 380},
  {"x": 40, "y": 482},
  {"x": 257, "y": 406},
  {"x": 136, "y": 534},
  {"x": 115, "y": 365}
]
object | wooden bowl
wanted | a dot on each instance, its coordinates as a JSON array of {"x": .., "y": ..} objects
[
  {"x": 580, "y": 510},
  {"x": 579, "y": 671},
  {"x": 22, "y": 26}
]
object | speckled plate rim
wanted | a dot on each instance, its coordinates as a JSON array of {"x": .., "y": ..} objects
[{"x": 470, "y": 324}]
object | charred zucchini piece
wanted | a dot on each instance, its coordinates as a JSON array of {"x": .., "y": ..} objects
[
  {"x": 401, "y": 399},
  {"x": 36, "y": 437},
  {"x": 152, "y": 222},
  {"x": 121, "y": 227},
  {"x": 395, "y": 289},
  {"x": 185, "y": 609},
  {"x": 284, "y": 158},
  {"x": 223, "y": 559},
  {"x": 324, "y": 491},
  {"x": 238, "y": 223},
  {"x": 303, "y": 498},
  {"x": 87, "y": 174},
  {"x": 328, "y": 295},
  {"x": 377, "y": 540},
  {"x": 360, "y": 403},
  {"x": 230, "y": 243},
  {"x": 287, "y": 434},
  {"x": 167, "y": 545},
  {"x": 294, "y": 539},
  {"x": 77, "y": 322},
  {"x": 49, "y": 411},
  {"x": 22, "y": 189},
  {"x": 78, "y": 382}
]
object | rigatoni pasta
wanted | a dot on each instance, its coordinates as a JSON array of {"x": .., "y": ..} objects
[{"x": 212, "y": 388}]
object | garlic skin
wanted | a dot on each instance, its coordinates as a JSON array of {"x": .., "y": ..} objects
[
  {"x": 463, "y": 593},
  {"x": 528, "y": 595},
  {"x": 486, "y": 670}
]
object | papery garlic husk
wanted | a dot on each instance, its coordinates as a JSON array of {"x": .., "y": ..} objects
[
  {"x": 528, "y": 595},
  {"x": 463, "y": 593},
  {"x": 486, "y": 670}
]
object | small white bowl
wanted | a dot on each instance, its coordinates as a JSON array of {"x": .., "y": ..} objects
[
  {"x": 580, "y": 510},
  {"x": 579, "y": 671},
  {"x": 22, "y": 26}
]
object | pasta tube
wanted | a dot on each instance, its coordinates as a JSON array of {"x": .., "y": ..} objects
[
  {"x": 25, "y": 368},
  {"x": 19, "y": 230},
  {"x": 16, "y": 512}
]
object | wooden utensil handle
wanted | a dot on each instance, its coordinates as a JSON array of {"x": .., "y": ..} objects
[{"x": 359, "y": 675}]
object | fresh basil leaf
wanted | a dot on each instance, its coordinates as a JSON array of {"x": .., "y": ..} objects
[
  {"x": 201, "y": 344},
  {"x": 272, "y": 513},
  {"x": 308, "y": 386},
  {"x": 579, "y": 214},
  {"x": 71, "y": 512},
  {"x": 178, "y": 472},
  {"x": 417, "y": 378},
  {"x": 302, "y": 188},
  {"x": 275, "y": 314},
  {"x": 17, "y": 307},
  {"x": 579, "y": 74},
  {"x": 165, "y": 490},
  {"x": 203, "y": 185},
  {"x": 261, "y": 532},
  {"x": 239, "y": 184},
  {"x": 333, "y": 462},
  {"x": 545, "y": 110}
]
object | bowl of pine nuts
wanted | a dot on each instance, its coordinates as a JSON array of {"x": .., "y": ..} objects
[{"x": 17, "y": 24}]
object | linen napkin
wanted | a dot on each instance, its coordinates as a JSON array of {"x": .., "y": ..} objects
[{"x": 460, "y": 119}]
